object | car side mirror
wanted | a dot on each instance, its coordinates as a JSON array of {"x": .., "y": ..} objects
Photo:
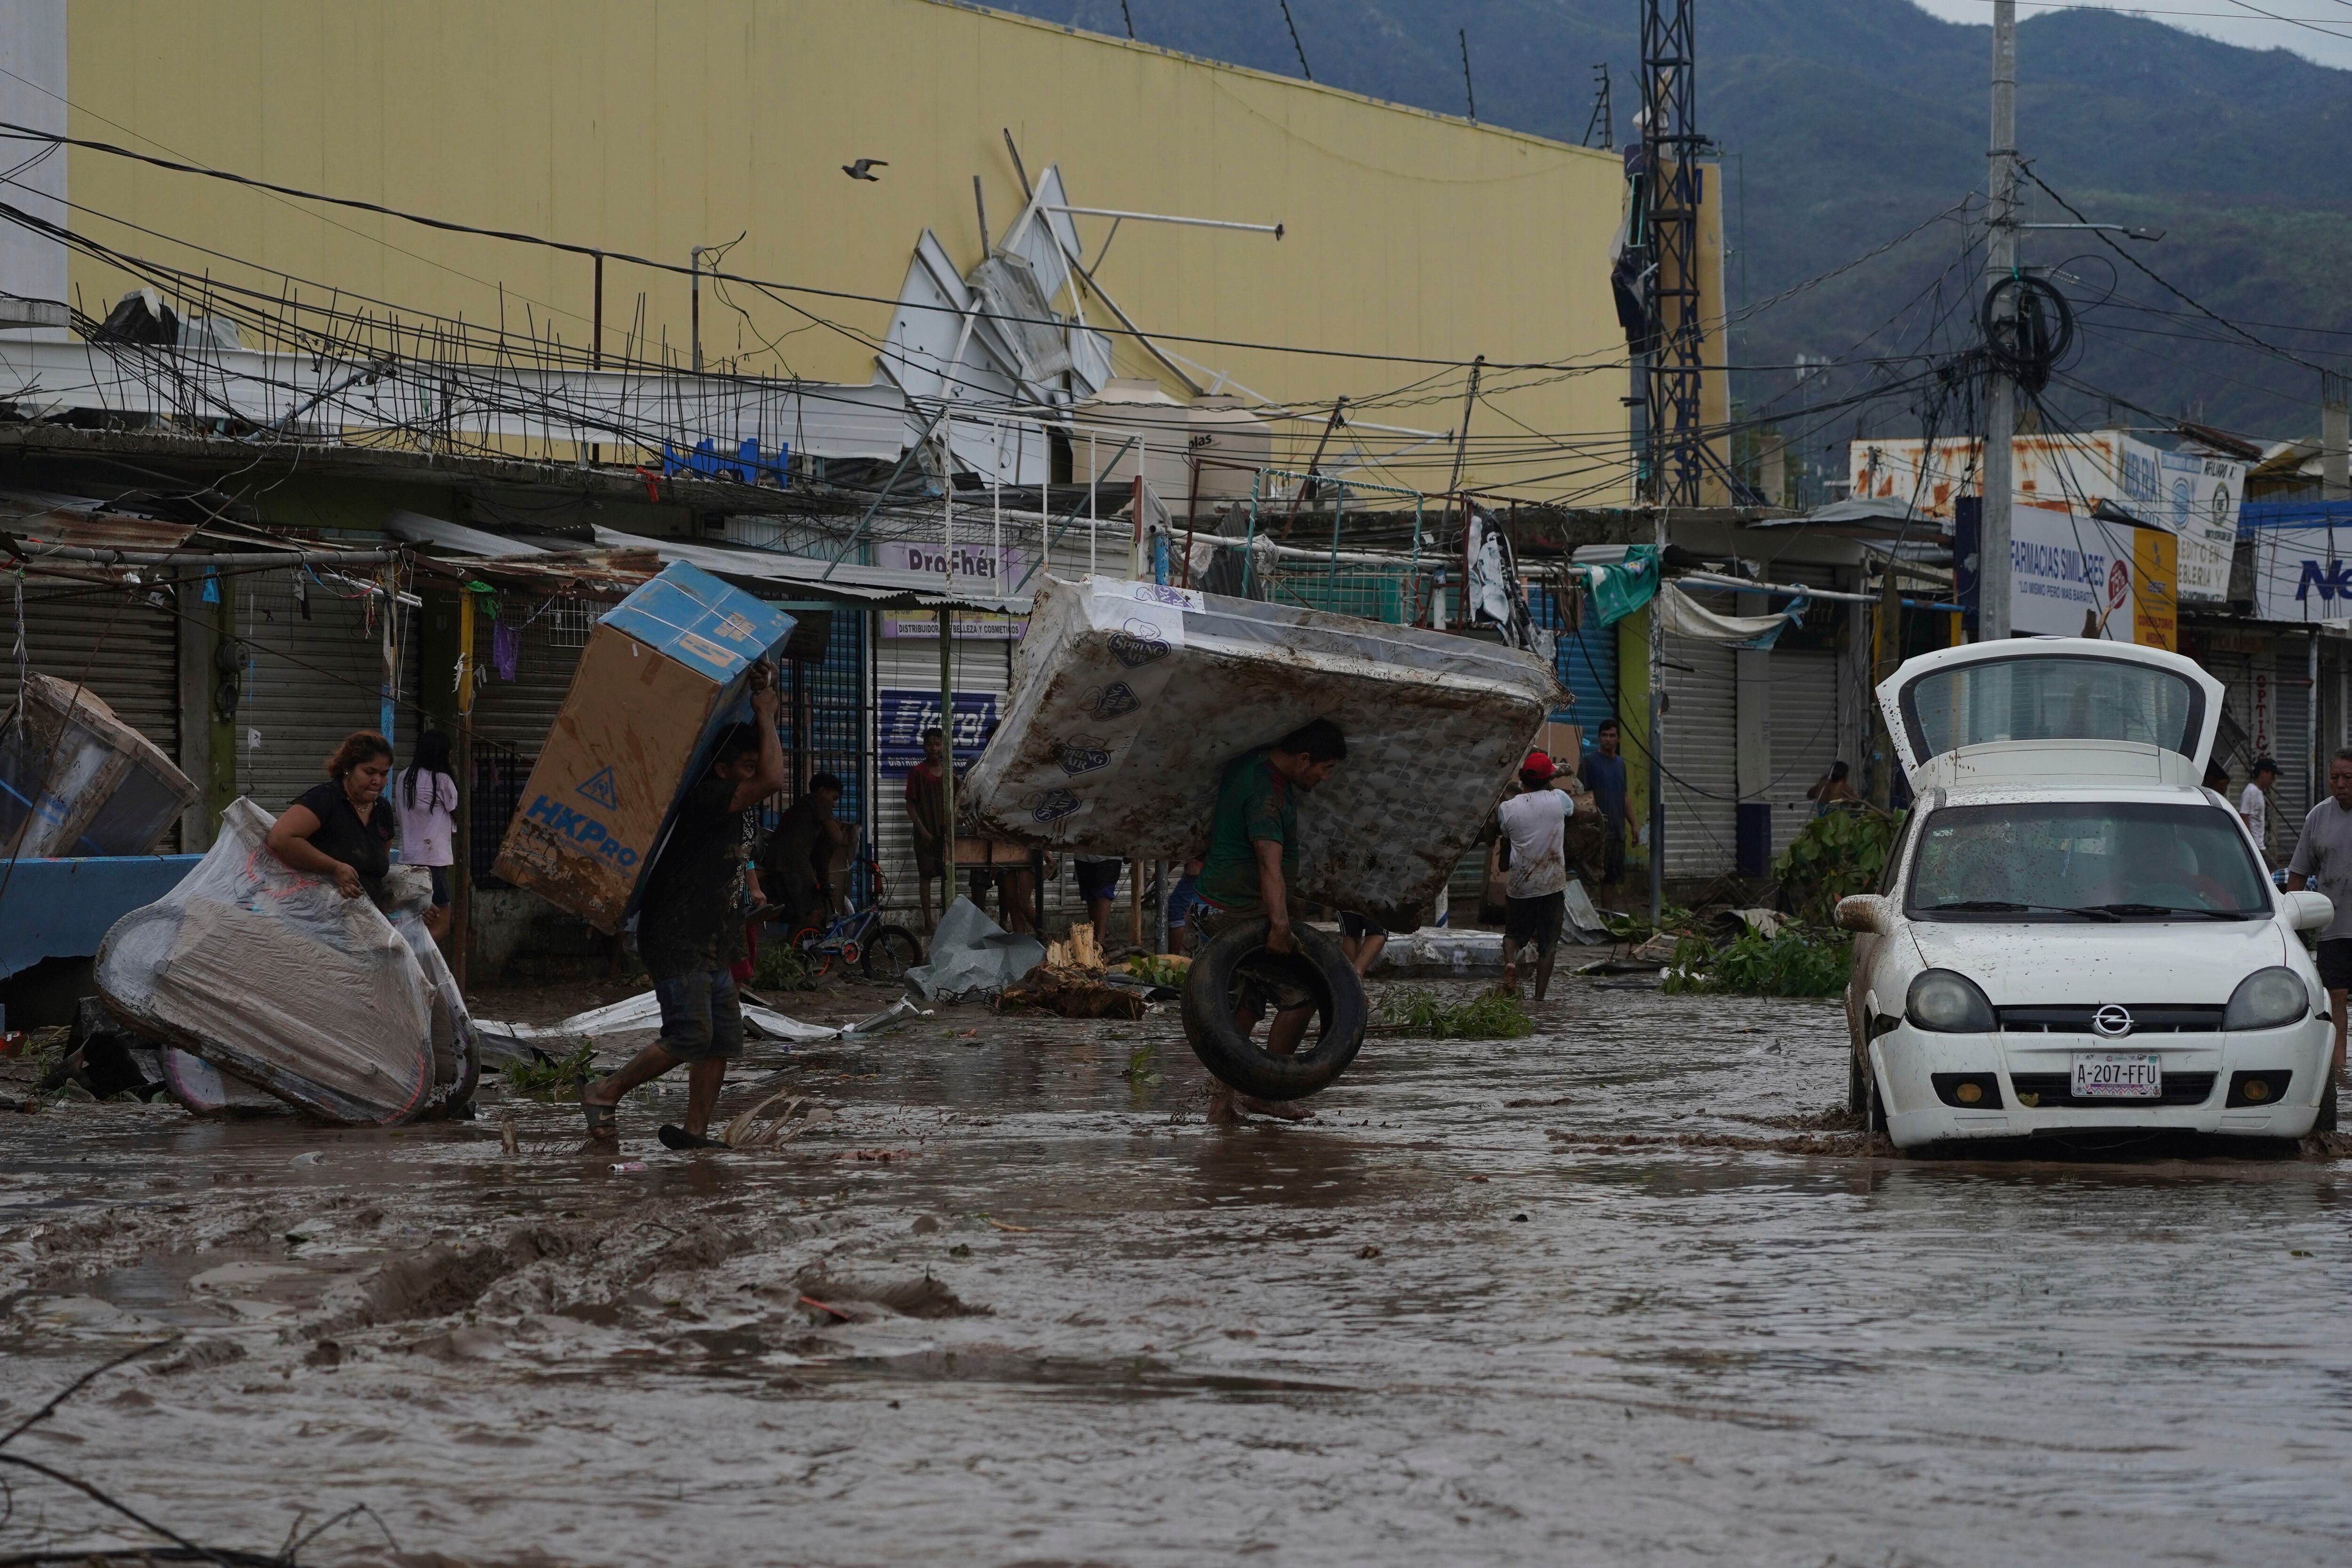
[
  {"x": 2307, "y": 911},
  {"x": 1868, "y": 912}
]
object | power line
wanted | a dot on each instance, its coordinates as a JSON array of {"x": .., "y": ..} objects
[{"x": 2150, "y": 273}]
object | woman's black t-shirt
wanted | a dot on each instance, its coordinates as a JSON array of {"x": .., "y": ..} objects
[{"x": 365, "y": 847}]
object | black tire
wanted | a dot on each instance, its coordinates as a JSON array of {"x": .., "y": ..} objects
[
  {"x": 1877, "y": 1112},
  {"x": 1235, "y": 1060},
  {"x": 2325, "y": 1123},
  {"x": 1857, "y": 1086},
  {"x": 889, "y": 953}
]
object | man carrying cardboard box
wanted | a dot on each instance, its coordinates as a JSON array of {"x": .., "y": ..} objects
[{"x": 690, "y": 928}]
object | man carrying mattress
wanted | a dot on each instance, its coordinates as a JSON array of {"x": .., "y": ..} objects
[
  {"x": 1252, "y": 858},
  {"x": 690, "y": 928}
]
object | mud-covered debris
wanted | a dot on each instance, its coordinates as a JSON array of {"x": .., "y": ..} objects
[
  {"x": 1072, "y": 995},
  {"x": 202, "y": 1353},
  {"x": 921, "y": 1297}
]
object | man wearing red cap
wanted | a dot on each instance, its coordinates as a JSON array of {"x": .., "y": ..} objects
[{"x": 1535, "y": 823}]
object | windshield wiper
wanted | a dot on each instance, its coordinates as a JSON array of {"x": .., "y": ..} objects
[
  {"x": 2122, "y": 909},
  {"x": 2004, "y": 907}
]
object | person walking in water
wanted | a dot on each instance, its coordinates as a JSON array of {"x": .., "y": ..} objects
[
  {"x": 1252, "y": 858},
  {"x": 1535, "y": 823},
  {"x": 690, "y": 929}
]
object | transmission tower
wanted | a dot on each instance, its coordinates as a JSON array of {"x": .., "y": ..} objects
[{"x": 1671, "y": 187}]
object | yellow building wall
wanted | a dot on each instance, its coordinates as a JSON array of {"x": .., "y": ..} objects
[{"x": 651, "y": 126}]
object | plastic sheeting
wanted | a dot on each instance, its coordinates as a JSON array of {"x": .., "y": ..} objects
[
  {"x": 642, "y": 1013},
  {"x": 1687, "y": 617},
  {"x": 972, "y": 955},
  {"x": 274, "y": 977},
  {"x": 1129, "y": 700}
]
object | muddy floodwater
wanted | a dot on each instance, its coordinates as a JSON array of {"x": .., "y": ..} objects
[{"x": 1626, "y": 1292}]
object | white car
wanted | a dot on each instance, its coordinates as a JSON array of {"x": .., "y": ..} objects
[{"x": 2071, "y": 935}]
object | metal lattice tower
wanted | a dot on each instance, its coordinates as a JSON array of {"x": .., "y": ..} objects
[{"x": 1671, "y": 191}]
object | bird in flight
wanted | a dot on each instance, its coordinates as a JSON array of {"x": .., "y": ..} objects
[{"x": 863, "y": 169}]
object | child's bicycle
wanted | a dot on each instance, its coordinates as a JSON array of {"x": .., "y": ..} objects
[{"x": 861, "y": 940}]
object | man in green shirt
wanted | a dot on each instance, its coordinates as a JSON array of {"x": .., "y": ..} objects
[{"x": 1252, "y": 857}]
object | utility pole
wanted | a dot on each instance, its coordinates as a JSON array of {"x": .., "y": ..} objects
[
  {"x": 2001, "y": 396},
  {"x": 2334, "y": 435}
]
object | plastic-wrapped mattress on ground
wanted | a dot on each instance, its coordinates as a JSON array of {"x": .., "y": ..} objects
[
  {"x": 276, "y": 980},
  {"x": 1128, "y": 699}
]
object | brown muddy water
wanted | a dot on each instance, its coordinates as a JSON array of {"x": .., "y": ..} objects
[{"x": 1618, "y": 1293}]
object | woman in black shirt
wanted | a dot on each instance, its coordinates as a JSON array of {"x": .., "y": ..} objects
[{"x": 342, "y": 829}]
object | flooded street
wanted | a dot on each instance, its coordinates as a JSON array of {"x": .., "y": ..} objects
[{"x": 1624, "y": 1291}]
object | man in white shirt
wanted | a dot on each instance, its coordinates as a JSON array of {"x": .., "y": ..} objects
[
  {"x": 2322, "y": 864},
  {"x": 1535, "y": 824},
  {"x": 2254, "y": 806}
]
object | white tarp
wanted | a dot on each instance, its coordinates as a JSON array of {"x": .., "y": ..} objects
[
  {"x": 1129, "y": 700},
  {"x": 1686, "y": 617},
  {"x": 972, "y": 955},
  {"x": 642, "y": 1013}
]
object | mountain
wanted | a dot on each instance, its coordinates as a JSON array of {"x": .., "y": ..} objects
[{"x": 1845, "y": 123}]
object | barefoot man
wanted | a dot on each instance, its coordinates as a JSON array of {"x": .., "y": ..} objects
[
  {"x": 1252, "y": 857},
  {"x": 690, "y": 928}
]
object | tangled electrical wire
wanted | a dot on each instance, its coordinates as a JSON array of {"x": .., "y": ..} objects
[{"x": 2028, "y": 327}]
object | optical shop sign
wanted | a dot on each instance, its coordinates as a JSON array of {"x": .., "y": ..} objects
[
  {"x": 980, "y": 570},
  {"x": 2068, "y": 573}
]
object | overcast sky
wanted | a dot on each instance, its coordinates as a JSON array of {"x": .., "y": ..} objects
[{"x": 2318, "y": 29}]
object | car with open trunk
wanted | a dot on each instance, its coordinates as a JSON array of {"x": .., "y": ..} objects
[{"x": 2071, "y": 936}]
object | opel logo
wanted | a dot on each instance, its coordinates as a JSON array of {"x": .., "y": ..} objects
[{"x": 2112, "y": 1021}]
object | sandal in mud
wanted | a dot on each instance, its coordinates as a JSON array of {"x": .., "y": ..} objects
[
  {"x": 603, "y": 1120},
  {"x": 676, "y": 1137}
]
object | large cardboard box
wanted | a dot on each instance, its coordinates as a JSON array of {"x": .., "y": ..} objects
[
  {"x": 1128, "y": 699},
  {"x": 663, "y": 671}
]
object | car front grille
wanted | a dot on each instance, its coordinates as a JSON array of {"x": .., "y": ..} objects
[
  {"x": 2055, "y": 1090},
  {"x": 2165, "y": 1017}
]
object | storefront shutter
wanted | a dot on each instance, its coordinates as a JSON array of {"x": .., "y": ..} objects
[
  {"x": 121, "y": 644},
  {"x": 309, "y": 682},
  {"x": 1803, "y": 735},
  {"x": 1702, "y": 759}
]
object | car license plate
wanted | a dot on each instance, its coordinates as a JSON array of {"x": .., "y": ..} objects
[{"x": 2115, "y": 1075}]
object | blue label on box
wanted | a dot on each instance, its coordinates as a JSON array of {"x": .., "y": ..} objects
[{"x": 701, "y": 623}]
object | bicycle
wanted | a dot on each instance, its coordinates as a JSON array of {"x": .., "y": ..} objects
[{"x": 862, "y": 939}]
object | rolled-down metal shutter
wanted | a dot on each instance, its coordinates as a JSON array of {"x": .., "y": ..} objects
[
  {"x": 308, "y": 683},
  {"x": 2292, "y": 685},
  {"x": 906, "y": 699},
  {"x": 1702, "y": 759},
  {"x": 121, "y": 644},
  {"x": 511, "y": 718},
  {"x": 1803, "y": 735}
]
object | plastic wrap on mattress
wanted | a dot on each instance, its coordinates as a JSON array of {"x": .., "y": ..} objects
[{"x": 1128, "y": 699}]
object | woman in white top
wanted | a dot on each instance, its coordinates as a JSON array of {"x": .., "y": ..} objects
[{"x": 425, "y": 798}]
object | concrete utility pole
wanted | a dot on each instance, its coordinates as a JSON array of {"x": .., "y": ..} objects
[
  {"x": 2001, "y": 404},
  {"x": 2334, "y": 435}
]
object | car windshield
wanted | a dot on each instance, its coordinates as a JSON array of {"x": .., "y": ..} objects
[
  {"x": 2067, "y": 860},
  {"x": 2051, "y": 697}
]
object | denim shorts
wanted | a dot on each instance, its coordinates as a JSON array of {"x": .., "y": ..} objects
[
  {"x": 702, "y": 1017},
  {"x": 440, "y": 885}
]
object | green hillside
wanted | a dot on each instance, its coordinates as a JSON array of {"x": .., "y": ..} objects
[{"x": 1846, "y": 122}]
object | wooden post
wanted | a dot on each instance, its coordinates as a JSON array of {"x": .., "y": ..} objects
[
  {"x": 1135, "y": 899},
  {"x": 462, "y": 861}
]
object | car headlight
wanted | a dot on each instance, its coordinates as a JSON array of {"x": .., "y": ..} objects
[
  {"x": 2267, "y": 999},
  {"x": 1949, "y": 1003}
]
